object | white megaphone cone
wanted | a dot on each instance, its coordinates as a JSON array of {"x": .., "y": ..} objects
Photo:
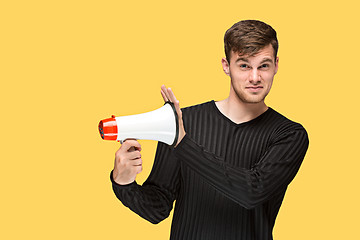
[{"x": 160, "y": 125}]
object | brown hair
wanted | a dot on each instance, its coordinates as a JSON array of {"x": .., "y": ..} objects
[{"x": 248, "y": 37}]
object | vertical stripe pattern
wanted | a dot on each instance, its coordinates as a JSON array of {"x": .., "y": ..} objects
[{"x": 228, "y": 179}]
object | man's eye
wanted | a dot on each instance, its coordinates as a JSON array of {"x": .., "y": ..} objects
[
  {"x": 264, "y": 66},
  {"x": 243, "y": 66}
]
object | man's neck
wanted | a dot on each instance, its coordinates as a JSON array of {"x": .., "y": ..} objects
[{"x": 238, "y": 111}]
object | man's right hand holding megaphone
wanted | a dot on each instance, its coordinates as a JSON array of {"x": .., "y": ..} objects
[{"x": 128, "y": 162}]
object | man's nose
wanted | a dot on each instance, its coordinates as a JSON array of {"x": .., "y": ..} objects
[{"x": 254, "y": 76}]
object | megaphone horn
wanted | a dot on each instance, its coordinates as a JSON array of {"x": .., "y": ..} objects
[{"x": 160, "y": 125}]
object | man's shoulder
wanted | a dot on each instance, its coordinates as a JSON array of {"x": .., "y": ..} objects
[
  {"x": 198, "y": 107},
  {"x": 283, "y": 123}
]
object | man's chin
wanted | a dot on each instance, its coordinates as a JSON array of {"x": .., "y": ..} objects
[
  {"x": 254, "y": 100},
  {"x": 251, "y": 98}
]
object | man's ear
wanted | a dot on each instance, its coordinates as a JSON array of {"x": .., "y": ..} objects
[
  {"x": 226, "y": 66},
  {"x": 276, "y": 64}
]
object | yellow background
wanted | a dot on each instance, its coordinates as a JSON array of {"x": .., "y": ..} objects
[{"x": 65, "y": 65}]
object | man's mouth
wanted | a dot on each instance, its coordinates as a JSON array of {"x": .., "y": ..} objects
[{"x": 254, "y": 88}]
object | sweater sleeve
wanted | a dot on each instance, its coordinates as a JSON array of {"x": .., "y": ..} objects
[
  {"x": 153, "y": 200},
  {"x": 249, "y": 187}
]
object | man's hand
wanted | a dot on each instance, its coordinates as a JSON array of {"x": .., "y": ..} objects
[
  {"x": 128, "y": 162},
  {"x": 168, "y": 95}
]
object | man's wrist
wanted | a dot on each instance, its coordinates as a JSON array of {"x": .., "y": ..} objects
[
  {"x": 180, "y": 141},
  {"x": 112, "y": 178}
]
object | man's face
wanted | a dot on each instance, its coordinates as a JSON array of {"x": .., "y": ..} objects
[{"x": 251, "y": 76}]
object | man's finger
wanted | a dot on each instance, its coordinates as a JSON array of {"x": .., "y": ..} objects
[
  {"x": 136, "y": 162},
  {"x": 175, "y": 101},
  {"x": 164, "y": 96},
  {"x": 131, "y": 143},
  {"x": 172, "y": 95},
  {"x": 132, "y": 156},
  {"x": 165, "y": 92}
]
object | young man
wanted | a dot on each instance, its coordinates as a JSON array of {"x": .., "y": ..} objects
[{"x": 234, "y": 158}]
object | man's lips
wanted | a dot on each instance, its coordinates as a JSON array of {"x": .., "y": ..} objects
[{"x": 254, "y": 88}]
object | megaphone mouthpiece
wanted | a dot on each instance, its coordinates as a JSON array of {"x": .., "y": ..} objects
[{"x": 108, "y": 128}]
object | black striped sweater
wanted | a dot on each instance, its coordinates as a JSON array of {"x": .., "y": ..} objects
[{"x": 228, "y": 180}]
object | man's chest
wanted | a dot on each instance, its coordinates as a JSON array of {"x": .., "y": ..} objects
[{"x": 236, "y": 146}]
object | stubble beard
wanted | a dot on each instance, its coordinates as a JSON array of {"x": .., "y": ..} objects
[{"x": 248, "y": 98}]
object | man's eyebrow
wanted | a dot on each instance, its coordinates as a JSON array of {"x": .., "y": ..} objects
[
  {"x": 242, "y": 59},
  {"x": 267, "y": 60}
]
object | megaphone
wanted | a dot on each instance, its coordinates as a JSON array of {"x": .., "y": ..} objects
[{"x": 160, "y": 125}]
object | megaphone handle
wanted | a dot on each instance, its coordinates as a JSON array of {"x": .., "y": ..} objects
[{"x": 130, "y": 149}]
